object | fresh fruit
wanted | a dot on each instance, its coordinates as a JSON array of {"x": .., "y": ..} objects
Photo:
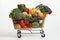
[
  {"x": 32, "y": 11},
  {"x": 35, "y": 14},
  {"x": 26, "y": 21},
  {"x": 24, "y": 26},
  {"x": 29, "y": 25},
  {"x": 21, "y": 21},
  {"x": 35, "y": 24},
  {"x": 14, "y": 21},
  {"x": 17, "y": 26},
  {"x": 41, "y": 15},
  {"x": 26, "y": 10},
  {"x": 21, "y": 7},
  {"x": 24, "y": 17}
]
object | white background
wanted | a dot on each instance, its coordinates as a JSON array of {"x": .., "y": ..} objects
[{"x": 52, "y": 22}]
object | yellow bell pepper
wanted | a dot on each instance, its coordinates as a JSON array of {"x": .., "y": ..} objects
[
  {"x": 32, "y": 11},
  {"x": 41, "y": 15}
]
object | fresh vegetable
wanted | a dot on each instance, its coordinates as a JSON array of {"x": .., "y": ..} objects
[
  {"x": 21, "y": 22},
  {"x": 26, "y": 10},
  {"x": 20, "y": 16},
  {"x": 35, "y": 24},
  {"x": 14, "y": 12},
  {"x": 14, "y": 21},
  {"x": 32, "y": 11},
  {"x": 28, "y": 17},
  {"x": 41, "y": 15},
  {"x": 29, "y": 25},
  {"x": 25, "y": 13},
  {"x": 35, "y": 14},
  {"x": 24, "y": 17},
  {"x": 49, "y": 11},
  {"x": 26, "y": 21},
  {"x": 17, "y": 26},
  {"x": 21, "y": 7},
  {"x": 43, "y": 8}
]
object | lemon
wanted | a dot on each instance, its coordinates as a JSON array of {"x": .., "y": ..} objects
[
  {"x": 32, "y": 11},
  {"x": 17, "y": 26},
  {"x": 41, "y": 15}
]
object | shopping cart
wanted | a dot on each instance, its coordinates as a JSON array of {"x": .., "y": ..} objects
[
  {"x": 32, "y": 29},
  {"x": 44, "y": 11}
]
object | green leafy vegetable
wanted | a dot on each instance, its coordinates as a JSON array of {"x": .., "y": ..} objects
[
  {"x": 14, "y": 12},
  {"x": 20, "y": 16},
  {"x": 43, "y": 8},
  {"x": 21, "y": 7}
]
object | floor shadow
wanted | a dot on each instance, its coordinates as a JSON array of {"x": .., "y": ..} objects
[{"x": 14, "y": 34}]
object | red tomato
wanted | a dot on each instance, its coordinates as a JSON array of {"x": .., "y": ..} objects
[
  {"x": 21, "y": 21},
  {"x": 29, "y": 25},
  {"x": 26, "y": 21},
  {"x": 24, "y": 26},
  {"x": 26, "y": 10}
]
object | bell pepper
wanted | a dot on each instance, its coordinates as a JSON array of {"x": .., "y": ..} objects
[{"x": 32, "y": 11}]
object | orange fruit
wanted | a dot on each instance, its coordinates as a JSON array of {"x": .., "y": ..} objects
[{"x": 17, "y": 26}]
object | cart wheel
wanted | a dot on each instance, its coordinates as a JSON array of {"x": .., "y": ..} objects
[
  {"x": 41, "y": 31},
  {"x": 18, "y": 33},
  {"x": 19, "y": 36},
  {"x": 43, "y": 35}
]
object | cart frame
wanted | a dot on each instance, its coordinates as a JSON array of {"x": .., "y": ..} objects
[{"x": 31, "y": 29}]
